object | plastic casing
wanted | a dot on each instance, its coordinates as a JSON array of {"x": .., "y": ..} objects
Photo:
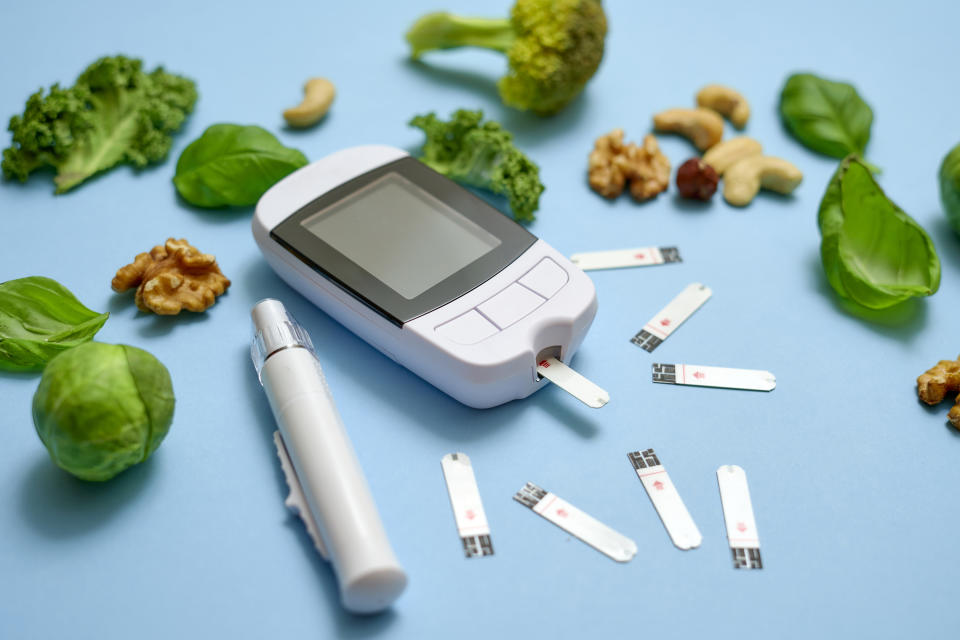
[{"x": 486, "y": 374}]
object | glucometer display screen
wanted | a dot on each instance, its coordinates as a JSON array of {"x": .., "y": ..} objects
[{"x": 400, "y": 234}]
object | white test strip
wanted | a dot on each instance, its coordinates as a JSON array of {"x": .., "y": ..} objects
[
  {"x": 467, "y": 508},
  {"x": 573, "y": 383},
  {"x": 619, "y": 258},
  {"x": 577, "y": 523},
  {"x": 738, "y": 517},
  {"x": 663, "y": 494},
  {"x": 725, "y": 377},
  {"x": 672, "y": 316}
]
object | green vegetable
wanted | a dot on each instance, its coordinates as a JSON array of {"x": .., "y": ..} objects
[
  {"x": 233, "y": 165},
  {"x": 553, "y": 47},
  {"x": 115, "y": 113},
  {"x": 101, "y": 408},
  {"x": 481, "y": 154},
  {"x": 950, "y": 187},
  {"x": 826, "y": 116},
  {"x": 39, "y": 318},
  {"x": 873, "y": 253}
]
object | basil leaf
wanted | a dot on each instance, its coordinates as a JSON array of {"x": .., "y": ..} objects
[
  {"x": 873, "y": 253},
  {"x": 233, "y": 165},
  {"x": 39, "y": 318},
  {"x": 826, "y": 116}
]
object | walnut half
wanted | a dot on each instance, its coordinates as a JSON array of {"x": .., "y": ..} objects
[
  {"x": 612, "y": 163},
  {"x": 172, "y": 277}
]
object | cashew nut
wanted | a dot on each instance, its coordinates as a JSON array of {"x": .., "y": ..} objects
[
  {"x": 745, "y": 178},
  {"x": 724, "y": 155},
  {"x": 703, "y": 127},
  {"x": 725, "y": 101},
  {"x": 318, "y": 94}
]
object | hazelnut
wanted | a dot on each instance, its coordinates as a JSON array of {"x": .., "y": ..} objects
[{"x": 696, "y": 180}]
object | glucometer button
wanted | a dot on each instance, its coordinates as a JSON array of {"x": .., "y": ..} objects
[
  {"x": 470, "y": 328},
  {"x": 510, "y": 305},
  {"x": 546, "y": 278}
]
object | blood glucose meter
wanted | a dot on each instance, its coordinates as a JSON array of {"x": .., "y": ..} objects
[{"x": 425, "y": 271}]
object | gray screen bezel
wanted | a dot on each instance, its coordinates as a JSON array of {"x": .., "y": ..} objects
[{"x": 327, "y": 261}]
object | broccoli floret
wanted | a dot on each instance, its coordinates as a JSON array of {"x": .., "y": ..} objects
[
  {"x": 553, "y": 47},
  {"x": 115, "y": 113},
  {"x": 481, "y": 154}
]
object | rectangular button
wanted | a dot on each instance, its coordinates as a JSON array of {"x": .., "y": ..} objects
[
  {"x": 546, "y": 278},
  {"x": 510, "y": 305},
  {"x": 470, "y": 328}
]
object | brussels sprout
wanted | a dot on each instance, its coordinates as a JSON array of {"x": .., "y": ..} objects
[
  {"x": 950, "y": 187},
  {"x": 101, "y": 408}
]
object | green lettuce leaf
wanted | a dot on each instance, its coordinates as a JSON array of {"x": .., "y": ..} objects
[
  {"x": 873, "y": 253},
  {"x": 39, "y": 318},
  {"x": 233, "y": 165}
]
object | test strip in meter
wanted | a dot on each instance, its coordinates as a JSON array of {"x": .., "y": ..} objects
[
  {"x": 663, "y": 494},
  {"x": 738, "y": 517},
  {"x": 724, "y": 377},
  {"x": 619, "y": 258},
  {"x": 672, "y": 316},
  {"x": 467, "y": 508},
  {"x": 577, "y": 523},
  {"x": 572, "y": 382}
]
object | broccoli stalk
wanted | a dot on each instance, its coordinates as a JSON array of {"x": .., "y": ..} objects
[
  {"x": 115, "y": 113},
  {"x": 553, "y": 47},
  {"x": 481, "y": 154}
]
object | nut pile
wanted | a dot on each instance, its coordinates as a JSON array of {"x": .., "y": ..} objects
[
  {"x": 612, "y": 164},
  {"x": 740, "y": 161},
  {"x": 172, "y": 277}
]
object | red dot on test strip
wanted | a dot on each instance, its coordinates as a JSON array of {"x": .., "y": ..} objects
[
  {"x": 639, "y": 256},
  {"x": 741, "y": 527},
  {"x": 665, "y": 322},
  {"x": 470, "y": 514}
]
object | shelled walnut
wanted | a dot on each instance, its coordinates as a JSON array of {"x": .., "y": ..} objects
[
  {"x": 612, "y": 163},
  {"x": 936, "y": 382},
  {"x": 172, "y": 277}
]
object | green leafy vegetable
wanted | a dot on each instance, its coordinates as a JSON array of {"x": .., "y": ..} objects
[
  {"x": 101, "y": 408},
  {"x": 39, "y": 318},
  {"x": 233, "y": 165},
  {"x": 115, "y": 113},
  {"x": 481, "y": 154},
  {"x": 873, "y": 253},
  {"x": 950, "y": 187},
  {"x": 553, "y": 47},
  {"x": 826, "y": 116}
]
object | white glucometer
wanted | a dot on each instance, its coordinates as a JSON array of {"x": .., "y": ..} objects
[{"x": 425, "y": 271}]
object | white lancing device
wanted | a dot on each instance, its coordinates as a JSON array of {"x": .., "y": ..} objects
[
  {"x": 723, "y": 377},
  {"x": 666, "y": 500},
  {"x": 325, "y": 467},
  {"x": 738, "y": 517},
  {"x": 611, "y": 543},
  {"x": 620, "y": 258},
  {"x": 672, "y": 316}
]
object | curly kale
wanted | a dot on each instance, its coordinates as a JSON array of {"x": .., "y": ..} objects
[
  {"x": 115, "y": 113},
  {"x": 481, "y": 154},
  {"x": 553, "y": 47}
]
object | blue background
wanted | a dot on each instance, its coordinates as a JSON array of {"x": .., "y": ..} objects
[{"x": 853, "y": 481}]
